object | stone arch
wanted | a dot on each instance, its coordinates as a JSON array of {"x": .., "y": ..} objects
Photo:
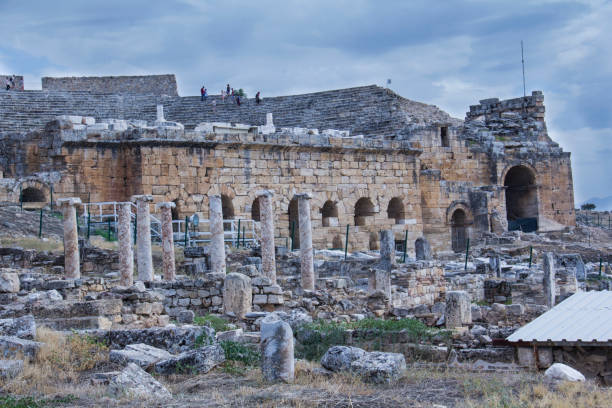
[
  {"x": 363, "y": 208},
  {"x": 294, "y": 223},
  {"x": 32, "y": 195},
  {"x": 396, "y": 210},
  {"x": 255, "y": 216},
  {"x": 459, "y": 230},
  {"x": 521, "y": 193},
  {"x": 329, "y": 214}
]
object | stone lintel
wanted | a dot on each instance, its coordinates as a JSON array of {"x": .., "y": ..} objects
[
  {"x": 165, "y": 204},
  {"x": 264, "y": 193},
  {"x": 142, "y": 197},
  {"x": 304, "y": 196},
  {"x": 68, "y": 201}
]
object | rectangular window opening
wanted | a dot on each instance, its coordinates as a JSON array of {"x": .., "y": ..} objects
[{"x": 444, "y": 136}]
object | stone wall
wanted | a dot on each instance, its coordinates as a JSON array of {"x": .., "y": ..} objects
[{"x": 143, "y": 85}]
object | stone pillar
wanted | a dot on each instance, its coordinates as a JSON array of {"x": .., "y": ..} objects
[
  {"x": 266, "y": 211},
  {"x": 379, "y": 279},
  {"x": 387, "y": 250},
  {"x": 143, "y": 241},
  {"x": 495, "y": 264},
  {"x": 458, "y": 309},
  {"x": 217, "y": 241},
  {"x": 549, "y": 279},
  {"x": 277, "y": 362},
  {"x": 237, "y": 294},
  {"x": 422, "y": 249},
  {"x": 167, "y": 240},
  {"x": 306, "y": 251},
  {"x": 72, "y": 266},
  {"x": 126, "y": 254}
]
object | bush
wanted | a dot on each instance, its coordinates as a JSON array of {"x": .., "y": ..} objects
[
  {"x": 588, "y": 206},
  {"x": 210, "y": 320},
  {"x": 240, "y": 352}
]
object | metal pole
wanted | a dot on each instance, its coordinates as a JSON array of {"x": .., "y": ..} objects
[
  {"x": 530, "y": 255},
  {"x": 467, "y": 251},
  {"x": 52, "y": 198},
  {"x": 108, "y": 222},
  {"x": 346, "y": 241},
  {"x": 238, "y": 243},
  {"x": 20, "y": 198},
  {"x": 135, "y": 229},
  {"x": 88, "y": 225},
  {"x": 243, "y": 238},
  {"x": 40, "y": 224},
  {"x": 405, "y": 247},
  {"x": 523, "y": 63},
  {"x": 600, "y": 262},
  {"x": 186, "y": 231}
]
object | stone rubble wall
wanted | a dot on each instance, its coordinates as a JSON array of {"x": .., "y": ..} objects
[{"x": 140, "y": 85}]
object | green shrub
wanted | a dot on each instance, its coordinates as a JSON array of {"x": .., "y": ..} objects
[
  {"x": 29, "y": 402},
  {"x": 240, "y": 352},
  {"x": 210, "y": 320}
]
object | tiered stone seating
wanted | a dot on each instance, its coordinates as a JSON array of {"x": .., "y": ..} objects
[{"x": 368, "y": 110}]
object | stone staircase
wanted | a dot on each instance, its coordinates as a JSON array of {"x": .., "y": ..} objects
[{"x": 368, "y": 110}]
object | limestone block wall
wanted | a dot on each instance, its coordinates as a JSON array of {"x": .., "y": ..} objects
[
  {"x": 146, "y": 85},
  {"x": 186, "y": 172}
]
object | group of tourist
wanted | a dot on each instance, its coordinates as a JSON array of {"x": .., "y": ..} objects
[
  {"x": 9, "y": 83},
  {"x": 226, "y": 93}
]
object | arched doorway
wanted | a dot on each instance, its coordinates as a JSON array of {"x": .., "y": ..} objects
[
  {"x": 459, "y": 230},
  {"x": 363, "y": 208},
  {"x": 227, "y": 208},
  {"x": 329, "y": 213},
  {"x": 521, "y": 199},
  {"x": 32, "y": 195},
  {"x": 294, "y": 224},
  {"x": 255, "y": 216},
  {"x": 395, "y": 210}
]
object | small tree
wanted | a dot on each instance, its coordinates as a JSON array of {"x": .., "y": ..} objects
[
  {"x": 241, "y": 93},
  {"x": 587, "y": 206}
]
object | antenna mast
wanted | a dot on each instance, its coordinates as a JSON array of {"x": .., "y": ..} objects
[{"x": 523, "y": 62}]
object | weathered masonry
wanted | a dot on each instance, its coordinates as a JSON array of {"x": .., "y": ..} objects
[{"x": 394, "y": 164}]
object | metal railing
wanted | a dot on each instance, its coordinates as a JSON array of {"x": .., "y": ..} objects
[
  {"x": 601, "y": 219},
  {"x": 105, "y": 215}
]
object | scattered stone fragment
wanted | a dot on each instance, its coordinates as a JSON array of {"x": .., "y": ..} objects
[
  {"x": 201, "y": 360},
  {"x": 9, "y": 282},
  {"x": 134, "y": 382},
  {"x": 10, "y": 368},
  {"x": 561, "y": 372},
  {"x": 186, "y": 316},
  {"x": 141, "y": 354},
  {"x": 379, "y": 367},
  {"x": 22, "y": 327},
  {"x": 11, "y": 346},
  {"x": 339, "y": 358},
  {"x": 277, "y": 350}
]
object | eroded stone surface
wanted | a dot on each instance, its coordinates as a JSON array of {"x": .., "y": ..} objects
[
  {"x": 237, "y": 294},
  {"x": 134, "y": 382},
  {"x": 143, "y": 239},
  {"x": 201, "y": 361},
  {"x": 126, "y": 253},
  {"x": 277, "y": 362},
  {"x": 217, "y": 239}
]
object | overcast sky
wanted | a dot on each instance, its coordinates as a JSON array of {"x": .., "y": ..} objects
[{"x": 447, "y": 53}]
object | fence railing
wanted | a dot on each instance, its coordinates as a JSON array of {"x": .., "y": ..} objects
[{"x": 595, "y": 218}]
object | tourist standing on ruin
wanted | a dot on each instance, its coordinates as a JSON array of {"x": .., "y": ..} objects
[
  {"x": 233, "y": 96},
  {"x": 222, "y": 96},
  {"x": 238, "y": 100},
  {"x": 7, "y": 84},
  {"x": 257, "y": 98},
  {"x": 202, "y": 91},
  {"x": 227, "y": 90},
  {"x": 214, "y": 105}
]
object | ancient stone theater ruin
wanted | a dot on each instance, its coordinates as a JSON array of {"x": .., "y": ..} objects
[{"x": 370, "y": 159}]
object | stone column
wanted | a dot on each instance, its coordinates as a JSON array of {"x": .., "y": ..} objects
[
  {"x": 126, "y": 254},
  {"x": 143, "y": 241},
  {"x": 306, "y": 251},
  {"x": 422, "y": 249},
  {"x": 72, "y": 267},
  {"x": 277, "y": 362},
  {"x": 458, "y": 309},
  {"x": 379, "y": 279},
  {"x": 217, "y": 241},
  {"x": 549, "y": 279},
  {"x": 495, "y": 264},
  {"x": 387, "y": 250},
  {"x": 266, "y": 211},
  {"x": 237, "y": 294},
  {"x": 167, "y": 240}
]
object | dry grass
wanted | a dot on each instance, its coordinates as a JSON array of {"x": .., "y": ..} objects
[
  {"x": 58, "y": 366},
  {"x": 46, "y": 244},
  {"x": 101, "y": 242}
]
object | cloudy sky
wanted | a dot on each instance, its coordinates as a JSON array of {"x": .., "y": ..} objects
[{"x": 448, "y": 53}]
